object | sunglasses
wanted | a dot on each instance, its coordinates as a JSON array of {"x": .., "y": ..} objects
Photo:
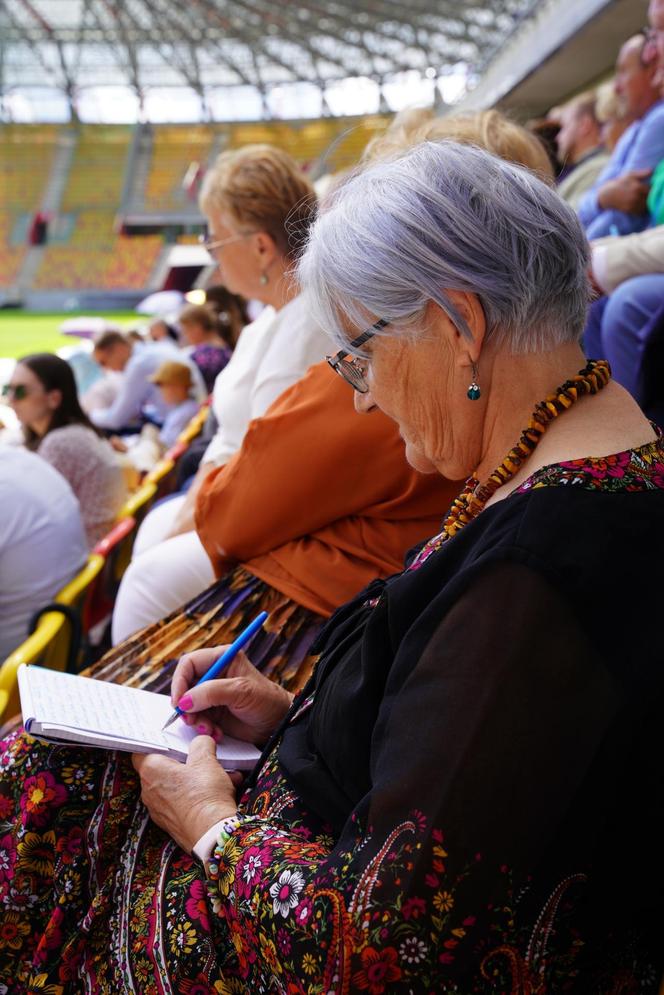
[{"x": 17, "y": 392}]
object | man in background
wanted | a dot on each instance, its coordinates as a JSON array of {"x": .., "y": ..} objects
[
  {"x": 616, "y": 203},
  {"x": 138, "y": 399},
  {"x": 580, "y": 146}
]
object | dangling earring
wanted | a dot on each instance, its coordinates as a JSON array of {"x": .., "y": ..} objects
[
  {"x": 474, "y": 393},
  {"x": 264, "y": 280}
]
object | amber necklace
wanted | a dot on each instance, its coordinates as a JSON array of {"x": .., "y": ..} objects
[{"x": 474, "y": 496}]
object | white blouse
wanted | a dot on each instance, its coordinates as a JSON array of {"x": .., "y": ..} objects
[{"x": 272, "y": 353}]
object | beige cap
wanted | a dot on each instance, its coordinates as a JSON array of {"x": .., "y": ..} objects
[{"x": 172, "y": 372}]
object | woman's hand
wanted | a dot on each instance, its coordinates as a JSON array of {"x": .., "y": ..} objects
[
  {"x": 186, "y": 799},
  {"x": 242, "y": 703}
]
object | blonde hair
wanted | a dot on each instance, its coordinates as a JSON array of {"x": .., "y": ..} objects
[
  {"x": 398, "y": 135},
  {"x": 261, "y": 188},
  {"x": 607, "y": 104},
  {"x": 489, "y": 130}
]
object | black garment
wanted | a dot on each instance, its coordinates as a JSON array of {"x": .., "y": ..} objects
[{"x": 513, "y": 685}]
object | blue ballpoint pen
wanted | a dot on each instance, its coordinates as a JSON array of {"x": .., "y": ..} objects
[{"x": 225, "y": 659}]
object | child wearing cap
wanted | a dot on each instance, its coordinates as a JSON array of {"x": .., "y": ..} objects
[{"x": 176, "y": 387}]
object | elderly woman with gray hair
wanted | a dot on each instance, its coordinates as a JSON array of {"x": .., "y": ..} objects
[{"x": 466, "y": 798}]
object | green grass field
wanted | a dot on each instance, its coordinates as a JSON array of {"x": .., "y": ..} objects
[{"x": 23, "y": 332}]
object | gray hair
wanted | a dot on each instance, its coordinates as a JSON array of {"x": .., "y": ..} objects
[{"x": 443, "y": 217}]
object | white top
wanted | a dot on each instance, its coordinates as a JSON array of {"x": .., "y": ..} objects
[
  {"x": 93, "y": 472},
  {"x": 42, "y": 542},
  {"x": 272, "y": 353}
]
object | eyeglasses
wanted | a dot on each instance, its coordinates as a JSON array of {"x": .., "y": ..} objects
[
  {"x": 649, "y": 50},
  {"x": 216, "y": 243},
  {"x": 17, "y": 392},
  {"x": 350, "y": 369}
]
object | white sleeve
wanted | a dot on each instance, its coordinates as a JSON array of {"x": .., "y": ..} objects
[
  {"x": 296, "y": 344},
  {"x": 599, "y": 266}
]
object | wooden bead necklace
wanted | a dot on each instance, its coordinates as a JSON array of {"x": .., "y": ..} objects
[{"x": 474, "y": 496}]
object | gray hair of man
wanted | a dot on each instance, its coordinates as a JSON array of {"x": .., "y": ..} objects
[{"x": 441, "y": 217}]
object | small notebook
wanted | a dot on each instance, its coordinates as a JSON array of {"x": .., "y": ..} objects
[{"x": 66, "y": 708}]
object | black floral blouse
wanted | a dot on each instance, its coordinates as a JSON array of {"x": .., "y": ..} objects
[
  {"x": 458, "y": 801},
  {"x": 466, "y": 798}
]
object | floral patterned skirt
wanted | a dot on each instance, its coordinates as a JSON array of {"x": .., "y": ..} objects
[
  {"x": 280, "y": 649},
  {"x": 94, "y": 897}
]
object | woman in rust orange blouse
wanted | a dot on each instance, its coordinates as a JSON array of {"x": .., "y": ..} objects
[{"x": 317, "y": 502}]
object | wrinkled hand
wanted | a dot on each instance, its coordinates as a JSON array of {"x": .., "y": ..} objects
[
  {"x": 242, "y": 702},
  {"x": 627, "y": 193},
  {"x": 186, "y": 799}
]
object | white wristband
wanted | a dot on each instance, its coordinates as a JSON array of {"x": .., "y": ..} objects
[{"x": 206, "y": 844}]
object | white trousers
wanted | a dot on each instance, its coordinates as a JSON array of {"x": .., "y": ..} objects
[{"x": 163, "y": 574}]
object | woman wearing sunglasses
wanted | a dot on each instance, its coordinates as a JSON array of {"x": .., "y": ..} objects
[{"x": 42, "y": 392}]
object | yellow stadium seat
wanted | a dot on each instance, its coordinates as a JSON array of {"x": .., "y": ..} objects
[
  {"x": 138, "y": 504},
  {"x": 52, "y": 644},
  {"x": 115, "y": 547},
  {"x": 158, "y": 472}
]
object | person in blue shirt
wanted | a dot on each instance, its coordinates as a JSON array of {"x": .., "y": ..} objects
[
  {"x": 139, "y": 398},
  {"x": 616, "y": 203},
  {"x": 176, "y": 385}
]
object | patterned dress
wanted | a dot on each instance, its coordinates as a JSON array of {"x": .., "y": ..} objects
[{"x": 461, "y": 800}]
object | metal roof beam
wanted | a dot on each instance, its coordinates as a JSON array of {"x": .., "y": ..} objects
[{"x": 112, "y": 8}]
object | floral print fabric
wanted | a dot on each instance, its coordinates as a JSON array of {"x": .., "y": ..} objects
[{"x": 95, "y": 898}]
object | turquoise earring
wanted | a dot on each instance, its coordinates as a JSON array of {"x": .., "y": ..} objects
[{"x": 474, "y": 393}]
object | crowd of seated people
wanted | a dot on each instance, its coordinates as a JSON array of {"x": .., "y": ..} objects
[
  {"x": 151, "y": 386},
  {"x": 454, "y": 752},
  {"x": 622, "y": 210}
]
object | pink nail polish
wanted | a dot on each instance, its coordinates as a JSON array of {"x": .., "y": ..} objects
[{"x": 185, "y": 702}]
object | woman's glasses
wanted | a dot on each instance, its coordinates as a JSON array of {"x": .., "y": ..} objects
[
  {"x": 351, "y": 369},
  {"x": 212, "y": 244},
  {"x": 16, "y": 392}
]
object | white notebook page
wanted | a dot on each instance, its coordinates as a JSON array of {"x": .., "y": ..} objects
[{"x": 113, "y": 712}]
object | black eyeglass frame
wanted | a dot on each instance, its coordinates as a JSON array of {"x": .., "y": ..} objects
[
  {"x": 348, "y": 369},
  {"x": 649, "y": 44}
]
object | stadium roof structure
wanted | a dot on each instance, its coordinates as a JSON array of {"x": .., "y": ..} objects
[{"x": 203, "y": 45}]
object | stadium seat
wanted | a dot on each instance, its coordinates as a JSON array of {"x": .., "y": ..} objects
[
  {"x": 138, "y": 504},
  {"x": 162, "y": 474},
  {"x": 97, "y": 173},
  {"x": 56, "y": 640},
  {"x": 115, "y": 548},
  {"x": 174, "y": 149},
  {"x": 195, "y": 426}
]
